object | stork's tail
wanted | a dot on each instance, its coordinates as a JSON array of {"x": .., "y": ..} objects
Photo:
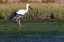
[{"x": 13, "y": 15}]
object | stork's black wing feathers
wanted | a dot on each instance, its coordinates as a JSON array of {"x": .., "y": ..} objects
[{"x": 13, "y": 15}]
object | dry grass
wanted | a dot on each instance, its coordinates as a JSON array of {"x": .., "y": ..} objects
[{"x": 32, "y": 4}]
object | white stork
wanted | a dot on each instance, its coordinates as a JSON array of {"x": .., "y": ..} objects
[{"x": 19, "y": 14}]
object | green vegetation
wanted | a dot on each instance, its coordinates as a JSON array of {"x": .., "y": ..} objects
[
  {"x": 24, "y": 0},
  {"x": 43, "y": 11},
  {"x": 32, "y": 26},
  {"x": 48, "y": 1},
  {"x": 0, "y": 1}
]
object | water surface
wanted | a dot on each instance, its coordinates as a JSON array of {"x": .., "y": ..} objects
[{"x": 44, "y": 37}]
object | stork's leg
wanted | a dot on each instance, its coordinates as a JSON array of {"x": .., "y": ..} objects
[
  {"x": 20, "y": 26},
  {"x": 18, "y": 21}
]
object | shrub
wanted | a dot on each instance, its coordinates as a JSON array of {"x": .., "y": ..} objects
[
  {"x": 48, "y": 1},
  {"x": 0, "y": 1},
  {"x": 24, "y": 0}
]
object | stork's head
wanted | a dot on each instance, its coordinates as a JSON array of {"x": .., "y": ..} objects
[{"x": 28, "y": 5}]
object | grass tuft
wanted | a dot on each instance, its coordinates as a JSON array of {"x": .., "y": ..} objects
[{"x": 32, "y": 26}]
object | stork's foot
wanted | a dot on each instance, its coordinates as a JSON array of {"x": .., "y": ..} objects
[{"x": 20, "y": 26}]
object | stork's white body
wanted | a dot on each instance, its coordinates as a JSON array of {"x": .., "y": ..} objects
[{"x": 22, "y": 11}]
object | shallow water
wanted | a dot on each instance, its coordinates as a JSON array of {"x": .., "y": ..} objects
[{"x": 44, "y": 37}]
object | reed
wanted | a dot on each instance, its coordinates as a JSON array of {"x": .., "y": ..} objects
[{"x": 41, "y": 10}]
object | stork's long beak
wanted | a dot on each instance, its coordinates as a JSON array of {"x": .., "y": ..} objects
[{"x": 30, "y": 7}]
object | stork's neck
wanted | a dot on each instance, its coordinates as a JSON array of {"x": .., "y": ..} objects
[{"x": 27, "y": 9}]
